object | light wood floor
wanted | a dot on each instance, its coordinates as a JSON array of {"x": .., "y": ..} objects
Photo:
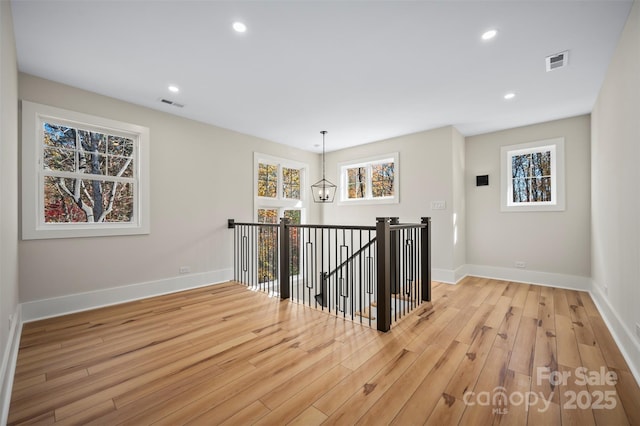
[{"x": 224, "y": 354}]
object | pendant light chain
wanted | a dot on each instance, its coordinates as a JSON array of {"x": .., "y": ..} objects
[{"x": 323, "y": 191}]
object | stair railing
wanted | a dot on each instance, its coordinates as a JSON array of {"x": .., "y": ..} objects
[{"x": 364, "y": 273}]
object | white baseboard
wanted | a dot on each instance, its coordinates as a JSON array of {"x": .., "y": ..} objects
[
  {"x": 549, "y": 279},
  {"x": 8, "y": 367},
  {"x": 46, "y": 308},
  {"x": 623, "y": 336}
]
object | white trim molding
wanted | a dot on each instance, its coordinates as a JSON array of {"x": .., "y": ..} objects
[
  {"x": 8, "y": 367},
  {"x": 548, "y": 279},
  {"x": 56, "y": 306},
  {"x": 623, "y": 336},
  {"x": 35, "y": 171},
  {"x": 557, "y": 175}
]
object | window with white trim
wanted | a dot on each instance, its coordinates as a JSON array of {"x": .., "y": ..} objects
[
  {"x": 279, "y": 183},
  {"x": 370, "y": 181},
  {"x": 533, "y": 176},
  {"x": 279, "y": 191},
  {"x": 82, "y": 175}
]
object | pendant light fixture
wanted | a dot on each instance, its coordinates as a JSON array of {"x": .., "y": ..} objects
[{"x": 323, "y": 191}]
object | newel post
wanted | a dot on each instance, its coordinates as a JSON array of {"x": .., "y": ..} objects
[
  {"x": 425, "y": 259},
  {"x": 384, "y": 274},
  {"x": 285, "y": 251}
]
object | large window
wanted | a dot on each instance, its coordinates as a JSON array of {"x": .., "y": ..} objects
[
  {"x": 373, "y": 180},
  {"x": 533, "y": 176},
  {"x": 279, "y": 192},
  {"x": 82, "y": 175},
  {"x": 279, "y": 182}
]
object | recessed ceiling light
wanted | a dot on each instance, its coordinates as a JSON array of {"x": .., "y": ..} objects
[
  {"x": 239, "y": 27},
  {"x": 510, "y": 95},
  {"x": 488, "y": 35},
  {"x": 174, "y": 89}
]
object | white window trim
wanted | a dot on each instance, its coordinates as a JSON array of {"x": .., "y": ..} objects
[
  {"x": 367, "y": 162},
  {"x": 33, "y": 225},
  {"x": 556, "y": 146},
  {"x": 279, "y": 202}
]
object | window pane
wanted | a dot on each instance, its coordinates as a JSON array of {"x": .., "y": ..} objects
[
  {"x": 120, "y": 166},
  {"x": 291, "y": 183},
  {"x": 520, "y": 190},
  {"x": 117, "y": 145},
  {"x": 541, "y": 164},
  {"x": 541, "y": 189},
  {"x": 294, "y": 237},
  {"x": 520, "y": 165},
  {"x": 91, "y": 163},
  {"x": 267, "y": 180},
  {"x": 59, "y": 206},
  {"x": 356, "y": 182},
  {"x": 531, "y": 177},
  {"x": 382, "y": 176},
  {"x": 267, "y": 215},
  {"x": 77, "y": 200},
  {"x": 59, "y": 136},
  {"x": 92, "y": 141},
  {"x": 59, "y": 159},
  {"x": 118, "y": 201},
  {"x": 267, "y": 246},
  {"x": 293, "y": 216}
]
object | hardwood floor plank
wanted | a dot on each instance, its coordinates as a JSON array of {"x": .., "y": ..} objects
[
  {"x": 531, "y": 304},
  {"x": 524, "y": 348},
  {"x": 225, "y": 354},
  {"x": 629, "y": 395},
  {"x": 568, "y": 391},
  {"x": 493, "y": 376},
  {"x": 568, "y": 354},
  {"x": 607, "y": 345},
  {"x": 313, "y": 389},
  {"x": 391, "y": 402},
  {"x": 309, "y": 417},
  {"x": 361, "y": 401},
  {"x": 421, "y": 403},
  {"x": 604, "y": 413},
  {"x": 249, "y": 415}
]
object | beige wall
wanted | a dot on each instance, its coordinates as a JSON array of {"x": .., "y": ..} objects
[
  {"x": 426, "y": 174},
  {"x": 201, "y": 175},
  {"x": 615, "y": 228},
  {"x": 549, "y": 242},
  {"x": 8, "y": 189}
]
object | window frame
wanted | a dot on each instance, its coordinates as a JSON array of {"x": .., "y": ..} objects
[
  {"x": 33, "y": 174},
  {"x": 280, "y": 201},
  {"x": 343, "y": 198},
  {"x": 557, "y": 203}
]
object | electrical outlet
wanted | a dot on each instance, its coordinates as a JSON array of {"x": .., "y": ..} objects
[
  {"x": 184, "y": 269},
  {"x": 438, "y": 205},
  {"x": 10, "y": 321},
  {"x": 521, "y": 264},
  {"x": 638, "y": 330}
]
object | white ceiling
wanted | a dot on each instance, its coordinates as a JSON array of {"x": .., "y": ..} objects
[{"x": 363, "y": 70}]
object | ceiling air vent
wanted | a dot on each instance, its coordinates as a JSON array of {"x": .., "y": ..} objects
[
  {"x": 557, "y": 61},
  {"x": 168, "y": 102}
]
